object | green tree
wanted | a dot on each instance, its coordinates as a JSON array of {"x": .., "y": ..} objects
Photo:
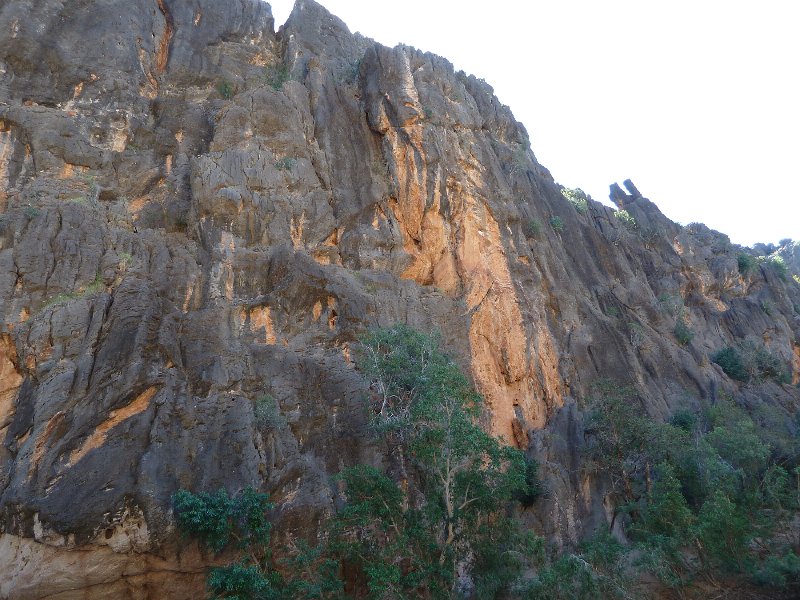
[
  {"x": 221, "y": 522},
  {"x": 444, "y": 530}
]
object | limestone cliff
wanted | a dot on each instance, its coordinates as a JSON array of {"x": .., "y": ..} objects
[{"x": 196, "y": 211}]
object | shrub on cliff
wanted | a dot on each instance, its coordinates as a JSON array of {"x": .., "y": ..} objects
[
  {"x": 444, "y": 529},
  {"x": 700, "y": 496},
  {"x": 578, "y": 199},
  {"x": 747, "y": 264},
  {"x": 240, "y": 523}
]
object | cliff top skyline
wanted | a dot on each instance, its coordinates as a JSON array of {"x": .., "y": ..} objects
[{"x": 692, "y": 102}]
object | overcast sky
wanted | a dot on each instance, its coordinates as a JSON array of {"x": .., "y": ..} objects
[{"x": 696, "y": 101}]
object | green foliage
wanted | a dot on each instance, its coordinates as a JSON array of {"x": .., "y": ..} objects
[
  {"x": 621, "y": 438},
  {"x": 666, "y": 513},
  {"x": 723, "y": 531},
  {"x": 285, "y": 164},
  {"x": 626, "y": 219},
  {"x": 534, "y": 487},
  {"x": 777, "y": 264},
  {"x": 595, "y": 571},
  {"x": 557, "y": 223},
  {"x": 779, "y": 571},
  {"x": 276, "y": 75},
  {"x": 268, "y": 413},
  {"x": 747, "y": 264},
  {"x": 751, "y": 360},
  {"x": 684, "y": 419},
  {"x": 683, "y": 333},
  {"x": 413, "y": 541},
  {"x": 31, "y": 212},
  {"x": 577, "y": 198},
  {"x": 532, "y": 228},
  {"x": 672, "y": 304},
  {"x": 519, "y": 159},
  {"x": 219, "y": 521},
  {"x": 731, "y": 362},
  {"x": 715, "y": 499},
  {"x": 225, "y": 89},
  {"x": 94, "y": 287}
]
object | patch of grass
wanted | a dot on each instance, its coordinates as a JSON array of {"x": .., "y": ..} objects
[
  {"x": 751, "y": 360},
  {"x": 532, "y": 228},
  {"x": 268, "y": 413},
  {"x": 31, "y": 212},
  {"x": 683, "y": 333},
  {"x": 577, "y": 198},
  {"x": 96, "y": 286},
  {"x": 349, "y": 73},
  {"x": 285, "y": 164},
  {"x": 672, "y": 305},
  {"x": 276, "y": 75},
  {"x": 225, "y": 90},
  {"x": 777, "y": 264},
  {"x": 557, "y": 223},
  {"x": 519, "y": 159},
  {"x": 747, "y": 264},
  {"x": 626, "y": 219}
]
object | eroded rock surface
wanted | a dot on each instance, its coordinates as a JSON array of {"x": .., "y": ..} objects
[{"x": 197, "y": 211}]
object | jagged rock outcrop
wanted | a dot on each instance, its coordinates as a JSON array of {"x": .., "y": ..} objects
[{"x": 196, "y": 211}]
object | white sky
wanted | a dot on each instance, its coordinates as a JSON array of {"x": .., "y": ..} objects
[{"x": 696, "y": 101}]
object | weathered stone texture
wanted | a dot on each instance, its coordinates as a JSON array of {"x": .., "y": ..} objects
[{"x": 182, "y": 233}]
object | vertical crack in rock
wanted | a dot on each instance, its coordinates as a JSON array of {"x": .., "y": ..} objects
[{"x": 162, "y": 51}]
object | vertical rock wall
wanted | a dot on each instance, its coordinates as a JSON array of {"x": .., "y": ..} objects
[{"x": 197, "y": 212}]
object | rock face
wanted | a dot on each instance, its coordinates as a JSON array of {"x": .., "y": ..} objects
[{"x": 196, "y": 212}]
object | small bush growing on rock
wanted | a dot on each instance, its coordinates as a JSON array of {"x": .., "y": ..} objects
[
  {"x": 751, "y": 360},
  {"x": 276, "y": 75},
  {"x": 731, "y": 362},
  {"x": 777, "y": 264},
  {"x": 577, "y": 198},
  {"x": 747, "y": 264},
  {"x": 532, "y": 228},
  {"x": 267, "y": 413},
  {"x": 672, "y": 304},
  {"x": 285, "y": 164},
  {"x": 650, "y": 235},
  {"x": 626, "y": 219},
  {"x": 636, "y": 334},
  {"x": 225, "y": 90},
  {"x": 683, "y": 333},
  {"x": 557, "y": 223},
  {"x": 240, "y": 522}
]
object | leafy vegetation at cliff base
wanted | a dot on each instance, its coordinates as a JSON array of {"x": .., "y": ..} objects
[
  {"x": 434, "y": 522},
  {"x": 706, "y": 497}
]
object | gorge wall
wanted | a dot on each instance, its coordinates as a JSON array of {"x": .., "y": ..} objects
[{"x": 196, "y": 211}]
